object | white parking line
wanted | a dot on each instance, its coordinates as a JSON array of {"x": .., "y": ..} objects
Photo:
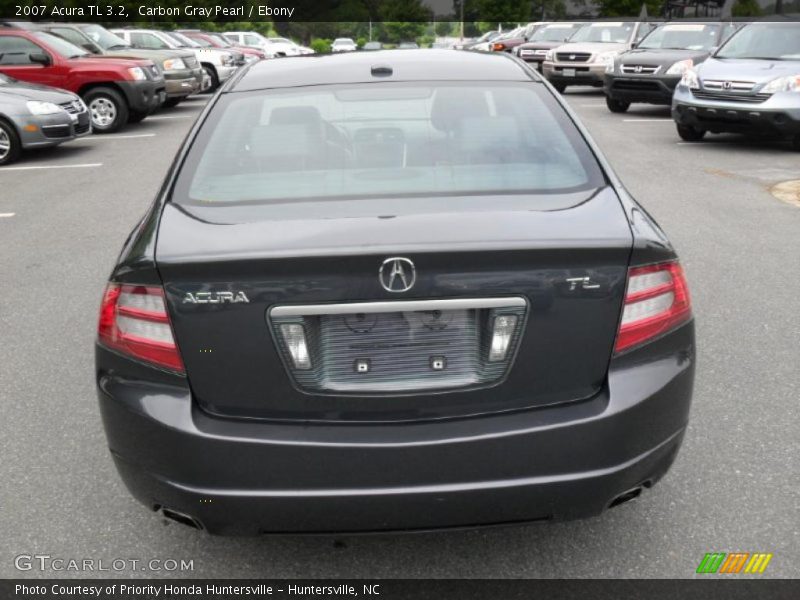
[
  {"x": 6, "y": 215},
  {"x": 592, "y": 105},
  {"x": 119, "y": 137},
  {"x": 40, "y": 167},
  {"x": 647, "y": 120},
  {"x": 165, "y": 117}
]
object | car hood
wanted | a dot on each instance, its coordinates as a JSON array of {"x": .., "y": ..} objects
[
  {"x": 540, "y": 45},
  {"x": 592, "y": 48},
  {"x": 102, "y": 61},
  {"x": 154, "y": 55},
  {"x": 662, "y": 58},
  {"x": 32, "y": 91},
  {"x": 747, "y": 69}
]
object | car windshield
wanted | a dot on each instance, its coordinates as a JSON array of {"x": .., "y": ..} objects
[
  {"x": 395, "y": 140},
  {"x": 183, "y": 40},
  {"x": 616, "y": 33},
  {"x": 554, "y": 33},
  {"x": 104, "y": 38},
  {"x": 63, "y": 47},
  {"x": 203, "y": 43},
  {"x": 682, "y": 36},
  {"x": 770, "y": 41},
  {"x": 223, "y": 41}
]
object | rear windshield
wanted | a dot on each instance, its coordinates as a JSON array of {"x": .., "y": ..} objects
[
  {"x": 770, "y": 41},
  {"x": 682, "y": 36},
  {"x": 385, "y": 140}
]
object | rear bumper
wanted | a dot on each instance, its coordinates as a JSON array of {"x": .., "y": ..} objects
[
  {"x": 249, "y": 477},
  {"x": 180, "y": 84},
  {"x": 647, "y": 89},
  {"x": 779, "y": 116},
  {"x": 585, "y": 73}
]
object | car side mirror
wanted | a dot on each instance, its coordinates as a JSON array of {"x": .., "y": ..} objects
[{"x": 40, "y": 58}]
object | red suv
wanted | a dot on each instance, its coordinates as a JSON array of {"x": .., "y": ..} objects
[{"x": 117, "y": 91}]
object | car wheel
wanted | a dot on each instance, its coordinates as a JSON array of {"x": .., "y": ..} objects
[
  {"x": 108, "y": 109},
  {"x": 212, "y": 74},
  {"x": 560, "y": 87},
  {"x": 617, "y": 106},
  {"x": 10, "y": 146},
  {"x": 171, "y": 102},
  {"x": 796, "y": 142},
  {"x": 690, "y": 134}
]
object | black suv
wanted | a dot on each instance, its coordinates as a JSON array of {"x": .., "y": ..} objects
[{"x": 650, "y": 72}]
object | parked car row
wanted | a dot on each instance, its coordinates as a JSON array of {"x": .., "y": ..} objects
[
  {"x": 62, "y": 81},
  {"x": 718, "y": 76}
]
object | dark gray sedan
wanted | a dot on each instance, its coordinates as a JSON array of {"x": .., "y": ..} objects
[
  {"x": 37, "y": 116},
  {"x": 392, "y": 291}
]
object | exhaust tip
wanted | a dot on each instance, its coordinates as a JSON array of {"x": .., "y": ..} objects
[
  {"x": 624, "y": 497},
  {"x": 182, "y": 518}
]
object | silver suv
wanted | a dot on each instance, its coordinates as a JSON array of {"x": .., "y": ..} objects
[{"x": 751, "y": 85}]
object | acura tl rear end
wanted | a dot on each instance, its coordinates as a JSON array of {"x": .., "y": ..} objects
[{"x": 392, "y": 291}]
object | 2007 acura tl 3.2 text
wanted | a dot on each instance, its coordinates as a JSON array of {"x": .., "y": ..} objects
[{"x": 392, "y": 291}]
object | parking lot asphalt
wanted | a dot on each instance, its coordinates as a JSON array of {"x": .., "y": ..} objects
[{"x": 65, "y": 213}]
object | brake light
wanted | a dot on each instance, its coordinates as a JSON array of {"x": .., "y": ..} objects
[
  {"x": 134, "y": 321},
  {"x": 656, "y": 301},
  {"x": 498, "y": 46}
]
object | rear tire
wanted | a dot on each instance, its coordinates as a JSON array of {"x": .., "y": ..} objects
[
  {"x": 212, "y": 73},
  {"x": 691, "y": 134},
  {"x": 108, "y": 109},
  {"x": 10, "y": 145},
  {"x": 617, "y": 106},
  {"x": 560, "y": 87},
  {"x": 171, "y": 102},
  {"x": 796, "y": 142}
]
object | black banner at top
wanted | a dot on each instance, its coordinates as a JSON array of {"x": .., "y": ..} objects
[{"x": 256, "y": 11}]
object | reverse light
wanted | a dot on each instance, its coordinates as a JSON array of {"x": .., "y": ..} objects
[
  {"x": 690, "y": 79},
  {"x": 134, "y": 321},
  {"x": 43, "y": 108},
  {"x": 294, "y": 336},
  {"x": 680, "y": 67},
  {"x": 790, "y": 83},
  {"x": 656, "y": 301},
  {"x": 502, "y": 332},
  {"x": 137, "y": 73}
]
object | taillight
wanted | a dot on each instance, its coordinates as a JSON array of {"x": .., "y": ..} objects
[
  {"x": 656, "y": 301},
  {"x": 497, "y": 47},
  {"x": 134, "y": 321}
]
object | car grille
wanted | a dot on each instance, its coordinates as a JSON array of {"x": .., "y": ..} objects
[
  {"x": 733, "y": 86},
  {"x": 397, "y": 351},
  {"x": 73, "y": 107},
  {"x": 573, "y": 56},
  {"x": 191, "y": 62},
  {"x": 625, "y": 84},
  {"x": 729, "y": 97},
  {"x": 639, "y": 69}
]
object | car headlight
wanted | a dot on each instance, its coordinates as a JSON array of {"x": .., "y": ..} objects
[
  {"x": 137, "y": 73},
  {"x": 680, "y": 67},
  {"x": 550, "y": 55},
  {"x": 43, "y": 108},
  {"x": 790, "y": 83},
  {"x": 227, "y": 59},
  {"x": 611, "y": 66},
  {"x": 606, "y": 59},
  {"x": 690, "y": 79},
  {"x": 173, "y": 64}
]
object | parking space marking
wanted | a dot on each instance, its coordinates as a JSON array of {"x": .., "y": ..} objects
[
  {"x": 6, "y": 215},
  {"x": 40, "y": 167},
  {"x": 119, "y": 137},
  {"x": 165, "y": 117}
]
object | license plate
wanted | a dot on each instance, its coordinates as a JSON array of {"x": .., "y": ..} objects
[{"x": 569, "y": 72}]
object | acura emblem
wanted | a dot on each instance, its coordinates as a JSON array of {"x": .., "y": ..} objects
[{"x": 397, "y": 274}]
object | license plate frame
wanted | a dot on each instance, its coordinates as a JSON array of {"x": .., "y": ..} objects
[{"x": 568, "y": 72}]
